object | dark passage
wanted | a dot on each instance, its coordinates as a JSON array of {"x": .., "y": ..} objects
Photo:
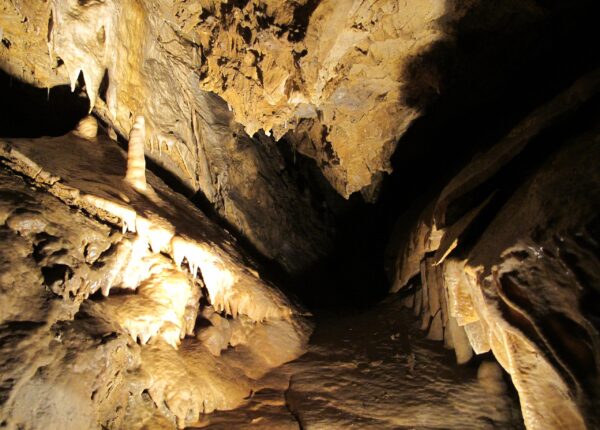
[{"x": 473, "y": 89}]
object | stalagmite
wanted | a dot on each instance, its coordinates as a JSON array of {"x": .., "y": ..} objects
[
  {"x": 509, "y": 273},
  {"x": 147, "y": 296},
  {"x": 87, "y": 128},
  {"x": 459, "y": 341},
  {"x": 490, "y": 376},
  {"x": 436, "y": 329},
  {"x": 136, "y": 162},
  {"x": 283, "y": 140}
]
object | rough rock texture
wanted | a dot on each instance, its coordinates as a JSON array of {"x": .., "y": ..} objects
[
  {"x": 24, "y": 29},
  {"x": 322, "y": 73},
  {"x": 508, "y": 259},
  {"x": 135, "y": 61},
  {"x": 56, "y": 373},
  {"x": 204, "y": 88},
  {"x": 277, "y": 66},
  {"x": 71, "y": 357},
  {"x": 374, "y": 369}
]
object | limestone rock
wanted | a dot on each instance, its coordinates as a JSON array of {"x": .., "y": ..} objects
[
  {"x": 519, "y": 259},
  {"x": 137, "y": 59},
  {"x": 80, "y": 293}
]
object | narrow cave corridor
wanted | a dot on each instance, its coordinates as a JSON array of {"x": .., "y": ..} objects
[{"x": 308, "y": 215}]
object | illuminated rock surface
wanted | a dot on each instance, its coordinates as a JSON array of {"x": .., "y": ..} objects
[
  {"x": 107, "y": 378},
  {"x": 190, "y": 132},
  {"x": 508, "y": 262},
  {"x": 225, "y": 151},
  {"x": 376, "y": 370},
  {"x": 151, "y": 298}
]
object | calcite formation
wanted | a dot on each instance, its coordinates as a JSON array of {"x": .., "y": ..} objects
[
  {"x": 327, "y": 69},
  {"x": 122, "y": 299},
  {"x": 220, "y": 81},
  {"x": 134, "y": 60},
  {"x": 505, "y": 260},
  {"x": 80, "y": 291},
  {"x": 375, "y": 370}
]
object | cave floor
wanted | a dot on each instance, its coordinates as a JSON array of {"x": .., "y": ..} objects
[
  {"x": 368, "y": 369},
  {"x": 374, "y": 369}
]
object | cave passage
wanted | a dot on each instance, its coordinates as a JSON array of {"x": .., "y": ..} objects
[{"x": 230, "y": 238}]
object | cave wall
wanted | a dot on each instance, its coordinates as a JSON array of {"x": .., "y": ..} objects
[
  {"x": 133, "y": 60},
  {"x": 219, "y": 81},
  {"x": 505, "y": 259},
  {"x": 119, "y": 295}
]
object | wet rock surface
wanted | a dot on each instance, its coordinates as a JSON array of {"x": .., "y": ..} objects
[
  {"x": 102, "y": 325},
  {"x": 375, "y": 369},
  {"x": 135, "y": 59},
  {"x": 86, "y": 360},
  {"x": 135, "y": 306},
  {"x": 56, "y": 372}
]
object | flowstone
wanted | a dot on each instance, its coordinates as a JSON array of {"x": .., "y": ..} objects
[{"x": 123, "y": 271}]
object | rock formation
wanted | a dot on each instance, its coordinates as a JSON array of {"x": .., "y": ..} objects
[
  {"x": 142, "y": 235},
  {"x": 225, "y": 148},
  {"x": 505, "y": 259},
  {"x": 134, "y": 61}
]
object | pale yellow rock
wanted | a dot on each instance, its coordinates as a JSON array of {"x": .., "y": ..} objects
[
  {"x": 136, "y": 164},
  {"x": 436, "y": 329},
  {"x": 150, "y": 297},
  {"x": 87, "y": 128},
  {"x": 460, "y": 341}
]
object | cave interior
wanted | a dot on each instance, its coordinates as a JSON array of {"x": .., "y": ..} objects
[{"x": 299, "y": 215}]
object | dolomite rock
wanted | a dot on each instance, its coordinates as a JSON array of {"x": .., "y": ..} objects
[
  {"x": 518, "y": 256},
  {"x": 278, "y": 67},
  {"x": 66, "y": 375},
  {"x": 92, "y": 177}
]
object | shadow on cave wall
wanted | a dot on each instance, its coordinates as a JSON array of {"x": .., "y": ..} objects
[
  {"x": 499, "y": 62},
  {"x": 27, "y": 111}
]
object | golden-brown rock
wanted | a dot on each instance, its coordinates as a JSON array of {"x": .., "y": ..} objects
[{"x": 518, "y": 260}]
